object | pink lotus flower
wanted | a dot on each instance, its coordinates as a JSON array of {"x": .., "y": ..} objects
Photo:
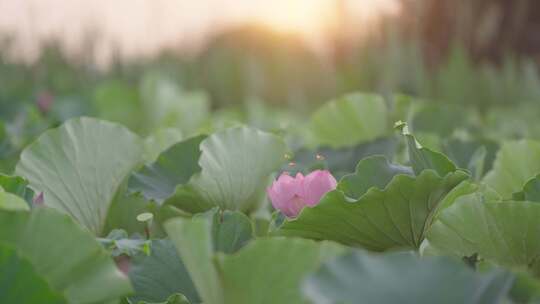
[{"x": 291, "y": 194}]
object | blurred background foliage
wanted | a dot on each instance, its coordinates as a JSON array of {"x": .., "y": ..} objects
[{"x": 475, "y": 57}]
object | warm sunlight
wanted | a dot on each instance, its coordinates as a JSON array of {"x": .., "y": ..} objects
[
  {"x": 298, "y": 16},
  {"x": 136, "y": 27},
  {"x": 311, "y": 17}
]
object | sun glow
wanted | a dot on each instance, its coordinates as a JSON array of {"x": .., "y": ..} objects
[
  {"x": 144, "y": 27},
  {"x": 296, "y": 16},
  {"x": 313, "y": 17}
]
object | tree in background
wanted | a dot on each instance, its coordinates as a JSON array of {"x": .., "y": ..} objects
[{"x": 489, "y": 29}]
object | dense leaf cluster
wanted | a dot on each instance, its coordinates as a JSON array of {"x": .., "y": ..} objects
[{"x": 94, "y": 213}]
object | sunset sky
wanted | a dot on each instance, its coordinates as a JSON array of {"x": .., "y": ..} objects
[{"x": 141, "y": 27}]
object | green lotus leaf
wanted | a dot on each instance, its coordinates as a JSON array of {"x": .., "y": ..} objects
[
  {"x": 422, "y": 158},
  {"x": 374, "y": 171},
  {"x": 406, "y": 279},
  {"x": 506, "y": 233},
  {"x": 162, "y": 273},
  {"x": 20, "y": 283},
  {"x": 67, "y": 256},
  {"x": 9, "y": 201},
  {"x": 79, "y": 167},
  {"x": 175, "y": 166},
  {"x": 350, "y": 120},
  {"x": 515, "y": 164},
  {"x": 236, "y": 165},
  {"x": 477, "y": 156},
  {"x": 340, "y": 161},
  {"x": 530, "y": 192},
  {"x": 18, "y": 186},
  {"x": 397, "y": 216},
  {"x": 230, "y": 231},
  {"x": 159, "y": 141},
  {"x": 221, "y": 278},
  {"x": 193, "y": 240},
  {"x": 282, "y": 261}
]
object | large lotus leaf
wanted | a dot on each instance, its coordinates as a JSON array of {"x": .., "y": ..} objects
[
  {"x": 79, "y": 167},
  {"x": 281, "y": 263},
  {"x": 258, "y": 264},
  {"x": 66, "y": 255},
  {"x": 19, "y": 282},
  {"x": 236, "y": 164},
  {"x": 194, "y": 242},
  {"x": 157, "y": 181},
  {"x": 161, "y": 274},
  {"x": 477, "y": 156},
  {"x": 350, "y": 120},
  {"x": 396, "y": 217},
  {"x": 404, "y": 278},
  {"x": 227, "y": 232},
  {"x": 9, "y": 201},
  {"x": 374, "y": 171},
  {"x": 505, "y": 233},
  {"x": 516, "y": 163},
  {"x": 339, "y": 161}
]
